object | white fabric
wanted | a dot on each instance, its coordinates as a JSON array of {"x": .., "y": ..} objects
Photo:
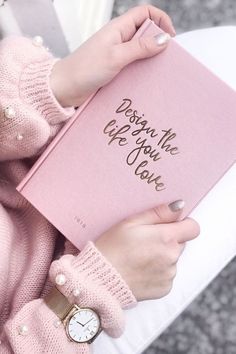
[
  {"x": 87, "y": 16},
  {"x": 206, "y": 256}
]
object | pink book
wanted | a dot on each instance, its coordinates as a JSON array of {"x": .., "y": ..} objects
[{"x": 163, "y": 129}]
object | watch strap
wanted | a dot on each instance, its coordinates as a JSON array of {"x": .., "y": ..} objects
[{"x": 58, "y": 303}]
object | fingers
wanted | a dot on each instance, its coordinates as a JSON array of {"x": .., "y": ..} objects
[
  {"x": 176, "y": 252},
  {"x": 181, "y": 231},
  {"x": 128, "y": 23},
  {"x": 181, "y": 248},
  {"x": 188, "y": 229},
  {"x": 163, "y": 213},
  {"x": 139, "y": 48}
]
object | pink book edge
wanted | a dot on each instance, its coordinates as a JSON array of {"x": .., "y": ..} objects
[{"x": 53, "y": 144}]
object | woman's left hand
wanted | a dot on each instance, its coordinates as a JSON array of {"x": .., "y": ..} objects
[{"x": 99, "y": 59}]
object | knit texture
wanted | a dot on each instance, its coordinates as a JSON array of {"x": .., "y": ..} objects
[
  {"x": 89, "y": 272},
  {"x": 31, "y": 247}
]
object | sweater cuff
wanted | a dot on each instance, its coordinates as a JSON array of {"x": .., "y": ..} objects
[
  {"x": 91, "y": 266},
  {"x": 89, "y": 280},
  {"x": 35, "y": 90},
  {"x": 97, "y": 267}
]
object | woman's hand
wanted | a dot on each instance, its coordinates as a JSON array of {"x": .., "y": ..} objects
[
  {"x": 102, "y": 56},
  {"x": 145, "y": 248}
]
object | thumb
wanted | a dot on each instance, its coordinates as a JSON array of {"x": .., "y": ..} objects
[
  {"x": 163, "y": 213},
  {"x": 141, "y": 48}
]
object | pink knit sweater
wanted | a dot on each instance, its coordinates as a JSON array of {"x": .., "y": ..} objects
[{"x": 30, "y": 117}]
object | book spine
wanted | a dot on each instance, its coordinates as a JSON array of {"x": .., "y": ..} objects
[
  {"x": 68, "y": 125},
  {"x": 53, "y": 144}
]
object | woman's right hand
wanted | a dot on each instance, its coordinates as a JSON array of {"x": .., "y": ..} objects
[{"x": 145, "y": 248}]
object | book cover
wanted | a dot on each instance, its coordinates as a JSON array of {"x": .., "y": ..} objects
[{"x": 163, "y": 129}]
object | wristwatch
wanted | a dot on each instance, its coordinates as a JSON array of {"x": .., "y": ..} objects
[{"x": 82, "y": 325}]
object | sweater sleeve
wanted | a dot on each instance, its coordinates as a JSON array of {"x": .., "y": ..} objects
[
  {"x": 89, "y": 281},
  {"x": 30, "y": 115}
]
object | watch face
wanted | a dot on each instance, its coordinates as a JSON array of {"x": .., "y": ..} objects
[{"x": 83, "y": 325}]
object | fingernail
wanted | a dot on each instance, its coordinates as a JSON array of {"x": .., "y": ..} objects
[
  {"x": 177, "y": 205},
  {"x": 162, "y": 38}
]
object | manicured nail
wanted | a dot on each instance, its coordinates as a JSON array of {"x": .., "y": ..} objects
[
  {"x": 162, "y": 38},
  {"x": 177, "y": 205}
]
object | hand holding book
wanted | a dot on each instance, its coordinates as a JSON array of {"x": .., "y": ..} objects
[
  {"x": 146, "y": 231},
  {"x": 162, "y": 122},
  {"x": 145, "y": 248},
  {"x": 105, "y": 54}
]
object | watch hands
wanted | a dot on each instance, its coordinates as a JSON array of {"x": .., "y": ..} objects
[
  {"x": 80, "y": 323},
  {"x": 88, "y": 321}
]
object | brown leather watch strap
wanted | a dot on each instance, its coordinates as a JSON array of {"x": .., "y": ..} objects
[{"x": 58, "y": 303}]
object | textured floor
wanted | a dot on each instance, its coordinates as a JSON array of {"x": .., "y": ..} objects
[{"x": 208, "y": 326}]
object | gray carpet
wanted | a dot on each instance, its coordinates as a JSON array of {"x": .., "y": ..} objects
[{"x": 208, "y": 326}]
